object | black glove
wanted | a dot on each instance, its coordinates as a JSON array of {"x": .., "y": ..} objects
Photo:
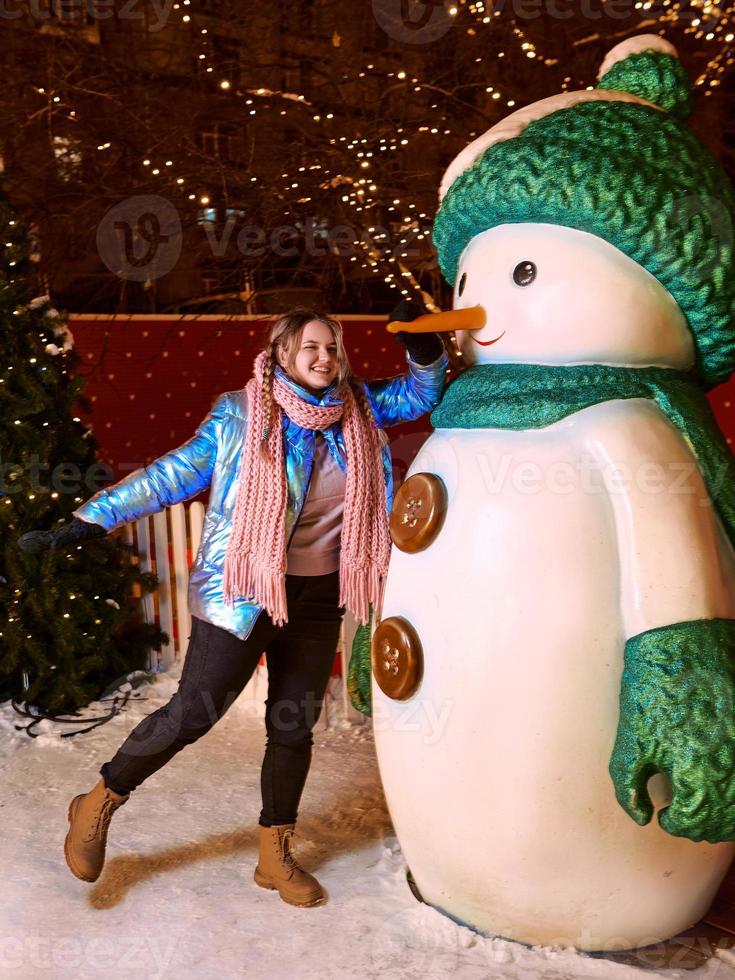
[
  {"x": 63, "y": 537},
  {"x": 423, "y": 348}
]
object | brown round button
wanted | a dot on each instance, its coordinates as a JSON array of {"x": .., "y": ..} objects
[
  {"x": 397, "y": 658},
  {"x": 418, "y": 512}
]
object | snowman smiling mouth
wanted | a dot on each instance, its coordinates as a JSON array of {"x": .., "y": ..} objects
[{"x": 487, "y": 343}]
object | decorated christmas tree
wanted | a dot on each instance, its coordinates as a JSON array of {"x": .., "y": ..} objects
[{"x": 69, "y": 625}]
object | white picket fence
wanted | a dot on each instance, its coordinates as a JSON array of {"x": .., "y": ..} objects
[{"x": 167, "y": 544}]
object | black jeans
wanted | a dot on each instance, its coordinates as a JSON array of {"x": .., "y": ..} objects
[{"x": 217, "y": 667}]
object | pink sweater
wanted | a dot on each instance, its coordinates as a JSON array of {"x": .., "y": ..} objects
[{"x": 314, "y": 548}]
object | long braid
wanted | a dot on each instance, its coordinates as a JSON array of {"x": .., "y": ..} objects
[
  {"x": 363, "y": 402},
  {"x": 269, "y": 370}
]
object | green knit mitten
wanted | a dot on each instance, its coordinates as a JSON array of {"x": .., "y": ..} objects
[{"x": 677, "y": 716}]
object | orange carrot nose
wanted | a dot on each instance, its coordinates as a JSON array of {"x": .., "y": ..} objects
[{"x": 469, "y": 318}]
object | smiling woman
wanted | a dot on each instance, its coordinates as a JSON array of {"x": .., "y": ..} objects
[
  {"x": 315, "y": 363},
  {"x": 312, "y": 353},
  {"x": 300, "y": 485}
]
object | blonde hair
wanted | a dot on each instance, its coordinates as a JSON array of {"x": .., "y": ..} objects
[{"x": 285, "y": 333}]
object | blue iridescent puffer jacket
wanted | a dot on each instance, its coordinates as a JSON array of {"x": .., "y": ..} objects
[{"x": 211, "y": 459}]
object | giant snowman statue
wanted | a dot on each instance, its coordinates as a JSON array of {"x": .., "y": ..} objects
[{"x": 553, "y": 671}]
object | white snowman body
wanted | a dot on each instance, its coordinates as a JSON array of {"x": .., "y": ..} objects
[{"x": 559, "y": 544}]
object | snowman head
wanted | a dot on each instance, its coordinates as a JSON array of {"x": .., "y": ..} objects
[
  {"x": 593, "y": 227},
  {"x": 555, "y": 295}
]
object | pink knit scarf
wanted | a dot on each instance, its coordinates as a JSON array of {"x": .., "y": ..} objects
[{"x": 255, "y": 564}]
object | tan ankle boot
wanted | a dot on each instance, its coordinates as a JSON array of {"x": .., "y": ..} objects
[
  {"x": 89, "y": 816},
  {"x": 277, "y": 868}
]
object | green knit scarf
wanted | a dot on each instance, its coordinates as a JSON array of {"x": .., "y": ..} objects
[{"x": 532, "y": 396}]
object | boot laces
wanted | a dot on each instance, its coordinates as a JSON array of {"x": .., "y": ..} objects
[
  {"x": 288, "y": 858},
  {"x": 102, "y": 818}
]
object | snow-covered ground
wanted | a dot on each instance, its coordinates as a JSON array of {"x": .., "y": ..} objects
[{"x": 177, "y": 898}]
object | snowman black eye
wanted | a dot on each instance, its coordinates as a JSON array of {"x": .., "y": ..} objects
[
  {"x": 462, "y": 284},
  {"x": 524, "y": 273}
]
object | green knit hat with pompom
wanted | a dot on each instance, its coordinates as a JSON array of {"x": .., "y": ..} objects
[{"x": 612, "y": 163}]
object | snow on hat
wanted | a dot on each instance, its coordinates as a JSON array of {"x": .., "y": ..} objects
[{"x": 619, "y": 162}]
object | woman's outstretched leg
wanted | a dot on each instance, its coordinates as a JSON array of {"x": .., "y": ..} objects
[{"x": 218, "y": 665}]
